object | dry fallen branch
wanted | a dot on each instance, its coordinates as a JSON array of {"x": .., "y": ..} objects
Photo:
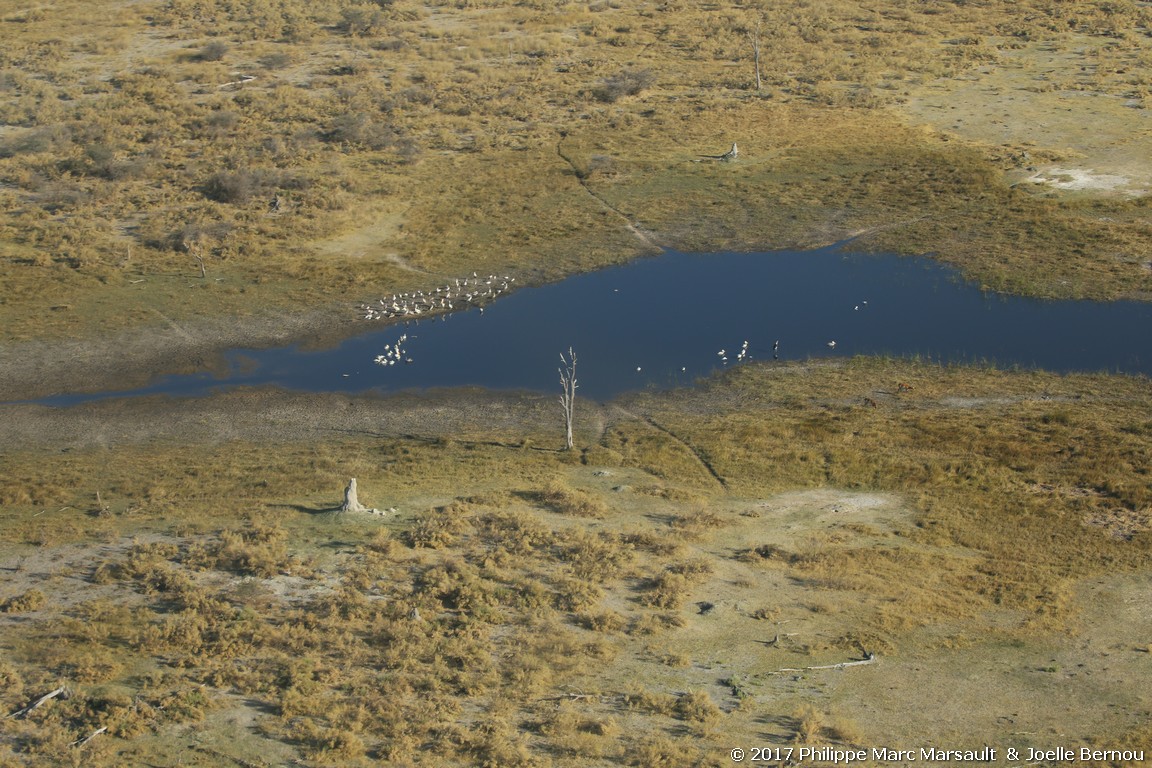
[
  {"x": 40, "y": 701},
  {"x": 243, "y": 79},
  {"x": 590, "y": 697},
  {"x": 89, "y": 737},
  {"x": 869, "y": 658}
]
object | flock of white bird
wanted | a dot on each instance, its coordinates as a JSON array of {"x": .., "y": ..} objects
[
  {"x": 394, "y": 353},
  {"x": 462, "y": 293},
  {"x": 740, "y": 356}
]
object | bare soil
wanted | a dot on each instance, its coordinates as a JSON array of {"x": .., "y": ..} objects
[
  {"x": 758, "y": 638},
  {"x": 35, "y": 369},
  {"x": 278, "y": 416},
  {"x": 1065, "y": 134}
]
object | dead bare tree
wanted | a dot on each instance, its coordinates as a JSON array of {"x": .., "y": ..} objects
[
  {"x": 198, "y": 254},
  {"x": 754, "y": 36},
  {"x": 568, "y": 397}
]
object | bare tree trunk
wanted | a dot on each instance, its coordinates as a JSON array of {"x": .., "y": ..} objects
[
  {"x": 568, "y": 397},
  {"x": 198, "y": 254},
  {"x": 755, "y": 36}
]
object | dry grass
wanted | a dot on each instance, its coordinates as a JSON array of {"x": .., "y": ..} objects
[
  {"x": 478, "y": 134},
  {"x": 486, "y": 627},
  {"x": 491, "y": 622}
]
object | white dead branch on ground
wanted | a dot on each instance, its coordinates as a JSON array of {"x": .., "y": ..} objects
[
  {"x": 89, "y": 737},
  {"x": 869, "y": 658},
  {"x": 62, "y": 690},
  {"x": 243, "y": 79}
]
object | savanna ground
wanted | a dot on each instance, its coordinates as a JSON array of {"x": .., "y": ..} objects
[
  {"x": 652, "y": 597},
  {"x": 185, "y": 175}
]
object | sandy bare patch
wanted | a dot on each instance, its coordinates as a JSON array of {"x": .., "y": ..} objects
[
  {"x": 371, "y": 242},
  {"x": 1084, "y": 179},
  {"x": 1062, "y": 126},
  {"x": 1120, "y": 523},
  {"x": 795, "y": 513}
]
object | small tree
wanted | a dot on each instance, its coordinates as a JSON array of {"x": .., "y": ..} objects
[
  {"x": 568, "y": 397},
  {"x": 754, "y": 36}
]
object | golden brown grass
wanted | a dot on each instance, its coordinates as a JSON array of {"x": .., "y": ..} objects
[
  {"x": 386, "y": 148},
  {"x": 486, "y": 627},
  {"x": 517, "y": 138}
]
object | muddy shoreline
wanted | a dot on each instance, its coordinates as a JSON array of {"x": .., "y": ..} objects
[
  {"x": 273, "y": 415},
  {"x": 34, "y": 369}
]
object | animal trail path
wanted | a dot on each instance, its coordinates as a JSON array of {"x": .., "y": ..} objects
[
  {"x": 703, "y": 462},
  {"x": 630, "y": 225}
]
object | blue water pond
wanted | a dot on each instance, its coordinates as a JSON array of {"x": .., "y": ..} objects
[{"x": 664, "y": 321}]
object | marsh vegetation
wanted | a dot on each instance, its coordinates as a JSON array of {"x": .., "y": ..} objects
[
  {"x": 314, "y": 153},
  {"x": 680, "y": 580}
]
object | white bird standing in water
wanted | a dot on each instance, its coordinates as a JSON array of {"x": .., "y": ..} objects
[{"x": 832, "y": 345}]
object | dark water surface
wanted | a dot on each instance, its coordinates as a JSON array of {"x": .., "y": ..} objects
[{"x": 663, "y": 321}]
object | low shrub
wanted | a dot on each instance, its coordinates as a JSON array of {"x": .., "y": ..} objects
[
  {"x": 570, "y": 501},
  {"x": 627, "y": 82},
  {"x": 27, "y": 601},
  {"x": 213, "y": 51}
]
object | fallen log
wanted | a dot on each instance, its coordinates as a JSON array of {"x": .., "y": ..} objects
[
  {"x": 243, "y": 79},
  {"x": 41, "y": 701},
  {"x": 869, "y": 658},
  {"x": 89, "y": 737}
]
